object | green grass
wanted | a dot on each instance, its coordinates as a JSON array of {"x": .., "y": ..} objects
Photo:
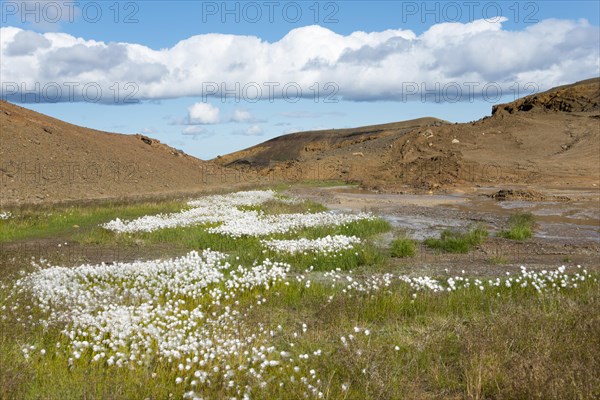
[
  {"x": 455, "y": 241},
  {"x": 247, "y": 249},
  {"x": 504, "y": 343},
  {"x": 520, "y": 227},
  {"x": 363, "y": 229},
  {"x": 403, "y": 247},
  {"x": 449, "y": 345},
  {"x": 468, "y": 344},
  {"x": 64, "y": 221},
  {"x": 361, "y": 255}
]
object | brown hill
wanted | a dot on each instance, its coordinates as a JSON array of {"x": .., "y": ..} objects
[
  {"x": 550, "y": 139},
  {"x": 294, "y": 145},
  {"x": 582, "y": 96},
  {"x": 43, "y": 159}
]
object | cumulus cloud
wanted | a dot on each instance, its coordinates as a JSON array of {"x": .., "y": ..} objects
[
  {"x": 26, "y": 43},
  {"x": 203, "y": 113},
  {"x": 79, "y": 59},
  {"x": 195, "y": 131},
  {"x": 363, "y": 66},
  {"x": 240, "y": 115},
  {"x": 252, "y": 130}
]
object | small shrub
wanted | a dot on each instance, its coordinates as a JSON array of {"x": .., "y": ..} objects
[
  {"x": 452, "y": 241},
  {"x": 520, "y": 227},
  {"x": 403, "y": 247}
]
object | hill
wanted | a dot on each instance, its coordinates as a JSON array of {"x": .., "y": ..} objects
[
  {"x": 550, "y": 139},
  {"x": 47, "y": 160}
]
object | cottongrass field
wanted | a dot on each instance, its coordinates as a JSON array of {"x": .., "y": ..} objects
[{"x": 281, "y": 299}]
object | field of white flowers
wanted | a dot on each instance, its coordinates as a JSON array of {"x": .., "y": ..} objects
[
  {"x": 233, "y": 221},
  {"x": 202, "y": 325}
]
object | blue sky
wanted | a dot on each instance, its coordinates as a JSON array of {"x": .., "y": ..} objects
[{"x": 451, "y": 60}]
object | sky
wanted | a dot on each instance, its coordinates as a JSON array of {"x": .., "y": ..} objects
[{"x": 212, "y": 77}]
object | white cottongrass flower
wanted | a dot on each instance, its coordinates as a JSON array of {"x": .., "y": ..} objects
[
  {"x": 234, "y": 222},
  {"x": 110, "y": 308},
  {"x": 325, "y": 245},
  {"x": 209, "y": 209}
]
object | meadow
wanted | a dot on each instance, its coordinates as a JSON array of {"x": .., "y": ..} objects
[{"x": 277, "y": 297}]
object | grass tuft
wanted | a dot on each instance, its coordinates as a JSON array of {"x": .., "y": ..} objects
[
  {"x": 403, "y": 247},
  {"x": 520, "y": 227},
  {"x": 453, "y": 241}
]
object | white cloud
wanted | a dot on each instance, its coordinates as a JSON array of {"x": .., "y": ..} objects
[
  {"x": 240, "y": 115},
  {"x": 362, "y": 65},
  {"x": 252, "y": 130},
  {"x": 203, "y": 113},
  {"x": 148, "y": 131},
  {"x": 195, "y": 131},
  {"x": 26, "y": 43}
]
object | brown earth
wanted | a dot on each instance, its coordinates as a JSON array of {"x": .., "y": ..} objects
[
  {"x": 45, "y": 160},
  {"x": 550, "y": 139}
]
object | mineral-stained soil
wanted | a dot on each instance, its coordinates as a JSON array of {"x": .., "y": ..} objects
[{"x": 550, "y": 139}]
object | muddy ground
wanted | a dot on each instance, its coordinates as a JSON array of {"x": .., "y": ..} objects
[{"x": 567, "y": 232}]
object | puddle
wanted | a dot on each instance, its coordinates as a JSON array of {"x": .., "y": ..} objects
[
  {"x": 572, "y": 221},
  {"x": 419, "y": 227},
  {"x": 517, "y": 204},
  {"x": 572, "y": 232}
]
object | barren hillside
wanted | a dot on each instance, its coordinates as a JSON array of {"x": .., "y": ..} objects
[
  {"x": 549, "y": 139},
  {"x": 45, "y": 160}
]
